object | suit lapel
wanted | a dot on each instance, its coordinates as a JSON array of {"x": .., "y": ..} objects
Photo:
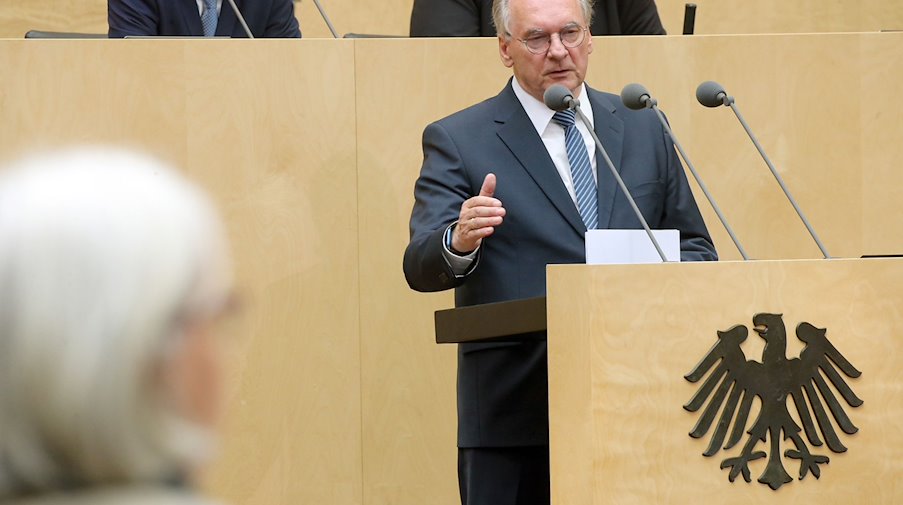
[
  {"x": 192, "y": 17},
  {"x": 517, "y": 132},
  {"x": 227, "y": 19},
  {"x": 610, "y": 130}
]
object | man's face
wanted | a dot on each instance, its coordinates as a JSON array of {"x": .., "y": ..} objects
[{"x": 560, "y": 64}]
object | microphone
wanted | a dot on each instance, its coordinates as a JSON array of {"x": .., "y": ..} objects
[
  {"x": 559, "y": 98},
  {"x": 636, "y": 97},
  {"x": 241, "y": 19},
  {"x": 712, "y": 94}
]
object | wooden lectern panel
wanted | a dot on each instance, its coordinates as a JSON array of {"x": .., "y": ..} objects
[{"x": 619, "y": 432}]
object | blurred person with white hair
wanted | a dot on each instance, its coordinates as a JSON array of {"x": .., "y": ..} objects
[{"x": 113, "y": 272}]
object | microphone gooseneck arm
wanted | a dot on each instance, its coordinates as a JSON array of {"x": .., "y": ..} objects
[
  {"x": 701, "y": 184},
  {"x": 636, "y": 97},
  {"x": 558, "y": 98},
  {"x": 780, "y": 180},
  {"x": 334, "y": 33},
  {"x": 617, "y": 176},
  {"x": 241, "y": 19},
  {"x": 712, "y": 94}
]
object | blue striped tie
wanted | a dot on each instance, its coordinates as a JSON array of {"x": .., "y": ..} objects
[
  {"x": 581, "y": 169},
  {"x": 209, "y": 18}
]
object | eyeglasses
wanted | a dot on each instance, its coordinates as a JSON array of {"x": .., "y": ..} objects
[{"x": 570, "y": 36}]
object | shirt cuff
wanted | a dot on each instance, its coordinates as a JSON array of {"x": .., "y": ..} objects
[{"x": 460, "y": 265}]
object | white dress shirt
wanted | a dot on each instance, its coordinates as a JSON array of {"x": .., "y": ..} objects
[{"x": 552, "y": 133}]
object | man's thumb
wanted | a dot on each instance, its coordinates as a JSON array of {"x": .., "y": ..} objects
[{"x": 488, "y": 188}]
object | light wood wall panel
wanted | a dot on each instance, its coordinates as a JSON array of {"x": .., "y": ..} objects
[
  {"x": 281, "y": 168},
  {"x": 776, "y": 16},
  {"x": 341, "y": 396},
  {"x": 19, "y": 16},
  {"x": 392, "y": 17},
  {"x": 807, "y": 123},
  {"x": 408, "y": 382},
  {"x": 388, "y": 17},
  {"x": 881, "y": 137},
  {"x": 285, "y": 165}
]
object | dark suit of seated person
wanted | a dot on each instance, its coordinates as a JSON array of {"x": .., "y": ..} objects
[
  {"x": 186, "y": 18},
  {"x": 473, "y": 18}
]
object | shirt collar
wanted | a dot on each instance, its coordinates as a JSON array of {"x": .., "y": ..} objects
[{"x": 539, "y": 114}]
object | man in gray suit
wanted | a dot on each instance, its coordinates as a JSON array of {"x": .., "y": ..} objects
[{"x": 502, "y": 193}]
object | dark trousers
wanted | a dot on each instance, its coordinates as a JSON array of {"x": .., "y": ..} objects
[{"x": 504, "y": 476}]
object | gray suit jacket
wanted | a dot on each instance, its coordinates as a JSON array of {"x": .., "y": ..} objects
[{"x": 502, "y": 387}]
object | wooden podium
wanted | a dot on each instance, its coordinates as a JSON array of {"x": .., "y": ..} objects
[{"x": 622, "y": 338}]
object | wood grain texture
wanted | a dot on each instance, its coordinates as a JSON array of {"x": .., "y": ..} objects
[
  {"x": 341, "y": 396},
  {"x": 286, "y": 164},
  {"x": 882, "y": 148},
  {"x": 775, "y": 16},
  {"x": 279, "y": 165},
  {"x": 807, "y": 123},
  {"x": 409, "y": 425},
  {"x": 20, "y": 16},
  {"x": 619, "y": 433},
  {"x": 392, "y": 17}
]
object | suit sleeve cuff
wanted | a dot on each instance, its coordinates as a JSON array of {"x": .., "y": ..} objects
[{"x": 461, "y": 265}]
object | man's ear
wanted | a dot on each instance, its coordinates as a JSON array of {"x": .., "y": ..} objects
[{"x": 504, "y": 47}]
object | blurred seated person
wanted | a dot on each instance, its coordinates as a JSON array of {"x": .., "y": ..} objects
[
  {"x": 207, "y": 18},
  {"x": 473, "y": 18},
  {"x": 114, "y": 274}
]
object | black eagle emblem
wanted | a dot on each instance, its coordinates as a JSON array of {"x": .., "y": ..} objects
[{"x": 737, "y": 381}]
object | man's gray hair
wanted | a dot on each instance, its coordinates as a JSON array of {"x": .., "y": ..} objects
[
  {"x": 501, "y": 14},
  {"x": 104, "y": 256}
]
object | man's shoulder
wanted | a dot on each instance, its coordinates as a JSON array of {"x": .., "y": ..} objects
[
  {"x": 604, "y": 99},
  {"x": 612, "y": 103},
  {"x": 487, "y": 110}
]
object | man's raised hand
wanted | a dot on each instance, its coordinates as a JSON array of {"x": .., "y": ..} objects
[{"x": 478, "y": 218}]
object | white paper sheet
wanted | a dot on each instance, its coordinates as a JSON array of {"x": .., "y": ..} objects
[{"x": 616, "y": 247}]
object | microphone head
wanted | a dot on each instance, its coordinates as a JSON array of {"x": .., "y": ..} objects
[
  {"x": 711, "y": 94},
  {"x": 558, "y": 97},
  {"x": 636, "y": 96}
]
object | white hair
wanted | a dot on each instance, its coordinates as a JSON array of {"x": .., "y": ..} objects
[
  {"x": 501, "y": 15},
  {"x": 104, "y": 254}
]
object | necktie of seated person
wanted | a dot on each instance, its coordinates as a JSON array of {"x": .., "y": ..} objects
[
  {"x": 209, "y": 18},
  {"x": 581, "y": 169}
]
